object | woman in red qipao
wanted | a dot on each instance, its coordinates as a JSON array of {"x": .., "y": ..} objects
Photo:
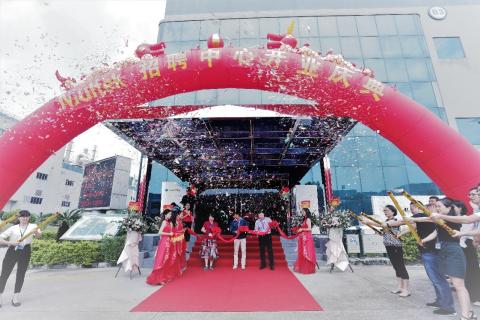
[
  {"x": 180, "y": 243},
  {"x": 307, "y": 260},
  {"x": 167, "y": 265}
]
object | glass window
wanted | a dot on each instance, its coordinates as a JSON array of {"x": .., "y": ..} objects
[
  {"x": 185, "y": 98},
  {"x": 347, "y": 26},
  {"x": 390, "y": 155},
  {"x": 405, "y": 89},
  {"x": 350, "y": 47},
  {"x": 423, "y": 93},
  {"x": 190, "y": 30},
  {"x": 378, "y": 67},
  {"x": 371, "y": 47},
  {"x": 250, "y": 97},
  {"x": 362, "y": 130},
  {"x": 327, "y": 26},
  {"x": 249, "y": 28},
  {"x": 209, "y": 27},
  {"x": 308, "y": 27},
  {"x": 386, "y": 24},
  {"x": 268, "y": 25},
  {"x": 227, "y": 96},
  {"x": 396, "y": 70},
  {"x": 313, "y": 42},
  {"x": 357, "y": 62},
  {"x": 407, "y": 24},
  {"x": 366, "y": 26},
  {"x": 344, "y": 153},
  {"x": 170, "y": 31},
  {"x": 230, "y": 28},
  {"x": 330, "y": 44},
  {"x": 417, "y": 70},
  {"x": 347, "y": 178},
  {"x": 449, "y": 48},
  {"x": 470, "y": 129},
  {"x": 371, "y": 179},
  {"x": 206, "y": 96},
  {"x": 249, "y": 43},
  {"x": 391, "y": 47},
  {"x": 395, "y": 177},
  {"x": 368, "y": 151},
  {"x": 440, "y": 112},
  {"x": 416, "y": 175},
  {"x": 284, "y": 23},
  {"x": 413, "y": 46}
]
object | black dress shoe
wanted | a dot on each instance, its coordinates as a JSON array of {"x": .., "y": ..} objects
[
  {"x": 444, "y": 312},
  {"x": 16, "y": 304},
  {"x": 262, "y": 267},
  {"x": 432, "y": 304}
]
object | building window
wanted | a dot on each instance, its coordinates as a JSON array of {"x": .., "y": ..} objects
[
  {"x": 449, "y": 48},
  {"x": 36, "y": 200},
  {"x": 69, "y": 183},
  {"x": 65, "y": 203},
  {"x": 470, "y": 129},
  {"x": 42, "y": 176}
]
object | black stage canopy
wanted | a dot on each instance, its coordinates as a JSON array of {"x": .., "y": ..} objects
[{"x": 256, "y": 153}]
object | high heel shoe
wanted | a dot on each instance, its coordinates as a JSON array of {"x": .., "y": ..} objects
[{"x": 16, "y": 304}]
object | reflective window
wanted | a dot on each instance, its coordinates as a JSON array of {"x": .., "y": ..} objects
[
  {"x": 187, "y": 98},
  {"x": 227, "y": 96},
  {"x": 390, "y": 155},
  {"x": 206, "y": 97},
  {"x": 371, "y": 47},
  {"x": 230, "y": 28},
  {"x": 396, "y": 70},
  {"x": 395, "y": 177},
  {"x": 371, "y": 179},
  {"x": 284, "y": 23},
  {"x": 170, "y": 31},
  {"x": 307, "y": 27},
  {"x": 470, "y": 129},
  {"x": 378, "y": 67},
  {"x": 268, "y": 25},
  {"x": 327, "y": 26},
  {"x": 407, "y": 24},
  {"x": 347, "y": 178},
  {"x": 449, "y": 48},
  {"x": 190, "y": 30},
  {"x": 357, "y": 62},
  {"x": 405, "y": 89},
  {"x": 440, "y": 112},
  {"x": 368, "y": 151},
  {"x": 423, "y": 93},
  {"x": 249, "y": 28},
  {"x": 386, "y": 25},
  {"x": 313, "y": 42},
  {"x": 248, "y": 43},
  {"x": 209, "y": 27},
  {"x": 344, "y": 153},
  {"x": 362, "y": 130},
  {"x": 416, "y": 175},
  {"x": 330, "y": 44},
  {"x": 413, "y": 46},
  {"x": 418, "y": 70},
  {"x": 347, "y": 26},
  {"x": 350, "y": 47},
  {"x": 250, "y": 97},
  {"x": 366, "y": 26},
  {"x": 391, "y": 47}
]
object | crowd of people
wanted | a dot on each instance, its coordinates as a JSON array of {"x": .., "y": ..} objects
[
  {"x": 449, "y": 254},
  {"x": 170, "y": 260}
]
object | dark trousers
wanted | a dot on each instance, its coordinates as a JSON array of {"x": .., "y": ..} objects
[
  {"x": 12, "y": 257},
  {"x": 472, "y": 276},
  {"x": 266, "y": 241},
  {"x": 187, "y": 235},
  {"x": 395, "y": 254}
]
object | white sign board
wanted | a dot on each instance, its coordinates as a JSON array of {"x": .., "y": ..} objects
[
  {"x": 373, "y": 243},
  {"x": 353, "y": 243},
  {"x": 171, "y": 192},
  {"x": 306, "y": 196}
]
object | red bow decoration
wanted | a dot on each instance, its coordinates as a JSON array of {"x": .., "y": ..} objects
[
  {"x": 243, "y": 229},
  {"x": 155, "y": 50},
  {"x": 274, "y": 224},
  {"x": 216, "y": 230}
]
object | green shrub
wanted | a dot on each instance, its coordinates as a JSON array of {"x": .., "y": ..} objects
[
  {"x": 50, "y": 252},
  {"x": 410, "y": 248},
  {"x": 48, "y": 235},
  {"x": 111, "y": 248}
]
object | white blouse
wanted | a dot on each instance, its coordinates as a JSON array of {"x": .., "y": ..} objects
[{"x": 15, "y": 232}]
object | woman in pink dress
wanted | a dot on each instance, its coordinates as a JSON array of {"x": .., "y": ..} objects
[
  {"x": 167, "y": 265},
  {"x": 307, "y": 260}
]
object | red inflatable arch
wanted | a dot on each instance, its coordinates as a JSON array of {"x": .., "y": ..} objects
[{"x": 338, "y": 88}]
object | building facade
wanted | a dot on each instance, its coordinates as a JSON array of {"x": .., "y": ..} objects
[
  {"x": 53, "y": 187},
  {"x": 423, "y": 48}
]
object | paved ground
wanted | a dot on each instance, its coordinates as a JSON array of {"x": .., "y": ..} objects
[{"x": 95, "y": 294}]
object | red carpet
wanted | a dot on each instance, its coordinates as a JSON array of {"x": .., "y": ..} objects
[{"x": 224, "y": 289}]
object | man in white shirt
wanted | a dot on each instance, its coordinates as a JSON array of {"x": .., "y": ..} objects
[{"x": 262, "y": 225}]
